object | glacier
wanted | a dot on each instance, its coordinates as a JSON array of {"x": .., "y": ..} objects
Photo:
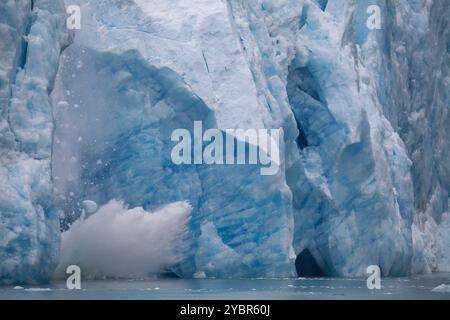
[
  {"x": 365, "y": 176},
  {"x": 32, "y": 35}
]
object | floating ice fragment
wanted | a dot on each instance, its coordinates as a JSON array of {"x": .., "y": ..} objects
[{"x": 443, "y": 288}]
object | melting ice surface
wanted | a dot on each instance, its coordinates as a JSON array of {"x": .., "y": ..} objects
[{"x": 365, "y": 174}]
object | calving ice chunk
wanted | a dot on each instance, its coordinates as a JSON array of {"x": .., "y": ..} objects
[
  {"x": 228, "y": 147},
  {"x": 122, "y": 242}
]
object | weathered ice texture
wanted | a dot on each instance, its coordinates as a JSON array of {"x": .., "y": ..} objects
[
  {"x": 364, "y": 113},
  {"x": 32, "y": 34}
]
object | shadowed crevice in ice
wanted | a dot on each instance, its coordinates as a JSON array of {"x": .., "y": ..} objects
[
  {"x": 306, "y": 266},
  {"x": 322, "y": 4}
]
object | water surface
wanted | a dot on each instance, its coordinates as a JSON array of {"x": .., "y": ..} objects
[{"x": 415, "y": 287}]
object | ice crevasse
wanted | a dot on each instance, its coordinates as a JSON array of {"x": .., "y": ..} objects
[{"x": 365, "y": 117}]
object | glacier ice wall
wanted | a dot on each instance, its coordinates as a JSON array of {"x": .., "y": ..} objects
[
  {"x": 32, "y": 34},
  {"x": 412, "y": 64},
  {"x": 365, "y": 119},
  {"x": 350, "y": 172},
  {"x": 352, "y": 192},
  {"x": 115, "y": 112},
  {"x": 128, "y": 109}
]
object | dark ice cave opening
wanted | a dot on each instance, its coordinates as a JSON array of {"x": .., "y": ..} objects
[{"x": 306, "y": 266}]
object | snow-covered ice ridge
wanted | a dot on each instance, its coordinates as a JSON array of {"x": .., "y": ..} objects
[{"x": 365, "y": 176}]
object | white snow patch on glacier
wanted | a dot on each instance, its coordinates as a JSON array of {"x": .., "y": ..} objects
[{"x": 119, "y": 242}]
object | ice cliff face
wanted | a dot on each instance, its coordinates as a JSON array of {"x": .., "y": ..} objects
[
  {"x": 365, "y": 119},
  {"x": 115, "y": 117},
  {"x": 32, "y": 34},
  {"x": 350, "y": 171},
  {"x": 414, "y": 91}
]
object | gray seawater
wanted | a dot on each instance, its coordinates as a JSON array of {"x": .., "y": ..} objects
[{"x": 415, "y": 287}]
